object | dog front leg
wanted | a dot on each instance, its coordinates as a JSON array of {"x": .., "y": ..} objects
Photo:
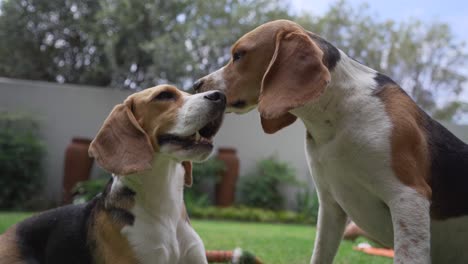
[
  {"x": 196, "y": 254},
  {"x": 191, "y": 245},
  {"x": 330, "y": 228},
  {"x": 411, "y": 227}
]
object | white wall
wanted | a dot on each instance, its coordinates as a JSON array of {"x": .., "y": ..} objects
[{"x": 66, "y": 111}]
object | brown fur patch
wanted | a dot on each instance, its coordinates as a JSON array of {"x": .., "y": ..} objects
[
  {"x": 410, "y": 155},
  {"x": 9, "y": 251},
  {"x": 111, "y": 245}
]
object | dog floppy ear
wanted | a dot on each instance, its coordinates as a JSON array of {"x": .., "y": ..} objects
[
  {"x": 188, "y": 179},
  {"x": 121, "y": 146},
  {"x": 272, "y": 125},
  {"x": 295, "y": 75}
]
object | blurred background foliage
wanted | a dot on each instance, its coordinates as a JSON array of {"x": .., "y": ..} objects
[
  {"x": 134, "y": 44},
  {"x": 21, "y": 155}
]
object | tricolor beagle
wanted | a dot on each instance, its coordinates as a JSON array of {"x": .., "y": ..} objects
[
  {"x": 373, "y": 153},
  {"x": 148, "y": 143}
]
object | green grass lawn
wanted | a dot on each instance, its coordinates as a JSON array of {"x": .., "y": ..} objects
[{"x": 273, "y": 243}]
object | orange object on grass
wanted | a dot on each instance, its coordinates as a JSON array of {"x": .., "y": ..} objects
[{"x": 383, "y": 252}]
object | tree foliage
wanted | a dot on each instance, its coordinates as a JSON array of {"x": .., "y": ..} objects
[
  {"x": 139, "y": 43},
  {"x": 52, "y": 40},
  {"x": 122, "y": 43}
]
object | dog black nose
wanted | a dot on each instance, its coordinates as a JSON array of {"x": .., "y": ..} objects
[
  {"x": 197, "y": 85},
  {"x": 216, "y": 96}
]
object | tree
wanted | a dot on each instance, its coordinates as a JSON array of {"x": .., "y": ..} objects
[
  {"x": 51, "y": 40},
  {"x": 424, "y": 58},
  {"x": 122, "y": 43},
  {"x": 136, "y": 44},
  {"x": 150, "y": 42}
]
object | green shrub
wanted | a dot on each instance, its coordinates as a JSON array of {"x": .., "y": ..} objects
[
  {"x": 205, "y": 173},
  {"x": 260, "y": 188},
  {"x": 86, "y": 190},
  {"x": 21, "y": 154},
  {"x": 248, "y": 214},
  {"x": 308, "y": 204},
  {"x": 208, "y": 170}
]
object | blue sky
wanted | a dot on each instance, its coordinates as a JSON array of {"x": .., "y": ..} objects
[{"x": 453, "y": 12}]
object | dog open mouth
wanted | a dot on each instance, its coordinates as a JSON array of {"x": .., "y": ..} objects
[{"x": 201, "y": 138}]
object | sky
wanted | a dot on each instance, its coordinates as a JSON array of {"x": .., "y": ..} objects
[{"x": 453, "y": 12}]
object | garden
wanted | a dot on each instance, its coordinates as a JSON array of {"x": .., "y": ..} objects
[{"x": 256, "y": 221}]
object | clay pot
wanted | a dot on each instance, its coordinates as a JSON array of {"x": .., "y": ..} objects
[
  {"x": 226, "y": 187},
  {"x": 78, "y": 166}
]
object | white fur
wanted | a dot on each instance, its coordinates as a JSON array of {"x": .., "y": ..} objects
[
  {"x": 159, "y": 233},
  {"x": 217, "y": 78},
  {"x": 192, "y": 116},
  {"x": 350, "y": 160},
  {"x": 411, "y": 225}
]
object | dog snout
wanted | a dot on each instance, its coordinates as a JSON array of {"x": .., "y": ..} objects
[{"x": 197, "y": 85}]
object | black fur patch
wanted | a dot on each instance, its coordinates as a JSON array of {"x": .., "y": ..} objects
[
  {"x": 57, "y": 236},
  {"x": 383, "y": 79},
  {"x": 61, "y": 235},
  {"x": 449, "y": 172},
  {"x": 115, "y": 204},
  {"x": 331, "y": 55},
  {"x": 127, "y": 192}
]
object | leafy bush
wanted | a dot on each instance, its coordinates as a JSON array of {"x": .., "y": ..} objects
[
  {"x": 86, "y": 190},
  {"x": 21, "y": 152},
  {"x": 260, "y": 188},
  {"x": 205, "y": 173},
  {"x": 308, "y": 205},
  {"x": 248, "y": 214}
]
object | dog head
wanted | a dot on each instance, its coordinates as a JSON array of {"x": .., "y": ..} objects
[
  {"x": 276, "y": 67},
  {"x": 158, "y": 121}
]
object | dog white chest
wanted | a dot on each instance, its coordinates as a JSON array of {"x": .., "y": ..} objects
[
  {"x": 349, "y": 155},
  {"x": 152, "y": 241},
  {"x": 157, "y": 211}
]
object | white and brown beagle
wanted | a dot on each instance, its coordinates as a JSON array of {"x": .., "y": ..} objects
[
  {"x": 148, "y": 143},
  {"x": 373, "y": 153}
]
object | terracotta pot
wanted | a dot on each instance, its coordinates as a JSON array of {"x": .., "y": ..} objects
[
  {"x": 78, "y": 166},
  {"x": 226, "y": 187}
]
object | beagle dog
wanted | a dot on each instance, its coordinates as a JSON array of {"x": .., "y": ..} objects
[
  {"x": 373, "y": 153},
  {"x": 148, "y": 143}
]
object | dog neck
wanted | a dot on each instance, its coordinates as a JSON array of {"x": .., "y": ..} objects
[
  {"x": 350, "y": 83},
  {"x": 158, "y": 192}
]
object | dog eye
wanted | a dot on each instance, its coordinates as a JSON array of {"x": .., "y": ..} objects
[
  {"x": 165, "y": 96},
  {"x": 237, "y": 55}
]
